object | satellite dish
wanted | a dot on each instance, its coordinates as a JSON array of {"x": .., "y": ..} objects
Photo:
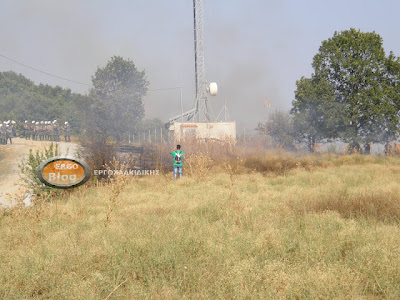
[{"x": 213, "y": 88}]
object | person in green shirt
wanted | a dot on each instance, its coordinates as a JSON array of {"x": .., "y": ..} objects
[{"x": 178, "y": 159}]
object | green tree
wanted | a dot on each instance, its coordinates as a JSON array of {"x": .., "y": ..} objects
[
  {"x": 316, "y": 114},
  {"x": 116, "y": 100},
  {"x": 365, "y": 82}
]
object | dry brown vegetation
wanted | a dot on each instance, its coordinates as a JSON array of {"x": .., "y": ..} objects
[
  {"x": 379, "y": 205},
  {"x": 268, "y": 226}
]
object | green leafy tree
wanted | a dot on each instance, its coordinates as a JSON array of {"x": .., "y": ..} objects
[
  {"x": 388, "y": 117},
  {"x": 316, "y": 114},
  {"x": 365, "y": 82},
  {"x": 116, "y": 100}
]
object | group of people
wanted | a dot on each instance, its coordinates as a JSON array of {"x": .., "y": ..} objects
[
  {"x": 7, "y": 131},
  {"x": 46, "y": 131},
  {"x": 34, "y": 130}
]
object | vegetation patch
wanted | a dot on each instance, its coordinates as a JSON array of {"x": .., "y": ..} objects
[
  {"x": 379, "y": 205},
  {"x": 329, "y": 233}
]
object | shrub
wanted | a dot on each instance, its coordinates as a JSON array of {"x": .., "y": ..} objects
[{"x": 28, "y": 168}]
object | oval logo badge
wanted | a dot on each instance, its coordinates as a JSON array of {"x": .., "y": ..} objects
[{"x": 63, "y": 172}]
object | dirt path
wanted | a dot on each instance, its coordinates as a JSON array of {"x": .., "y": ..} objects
[{"x": 10, "y": 182}]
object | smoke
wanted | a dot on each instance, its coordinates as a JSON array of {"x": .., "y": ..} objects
[
  {"x": 53, "y": 36},
  {"x": 72, "y": 38},
  {"x": 253, "y": 49}
]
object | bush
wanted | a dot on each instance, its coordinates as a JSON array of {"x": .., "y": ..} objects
[
  {"x": 96, "y": 153},
  {"x": 28, "y": 168}
]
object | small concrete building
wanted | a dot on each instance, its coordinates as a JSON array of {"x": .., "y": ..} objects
[{"x": 224, "y": 131}]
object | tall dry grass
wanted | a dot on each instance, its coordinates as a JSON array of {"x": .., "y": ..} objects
[
  {"x": 324, "y": 228},
  {"x": 379, "y": 205}
]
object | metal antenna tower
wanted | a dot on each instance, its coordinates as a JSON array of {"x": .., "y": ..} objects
[
  {"x": 201, "y": 102},
  {"x": 201, "y": 111}
]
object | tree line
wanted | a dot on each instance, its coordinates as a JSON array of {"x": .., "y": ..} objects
[
  {"x": 352, "y": 96},
  {"x": 111, "y": 110},
  {"x": 21, "y": 99}
]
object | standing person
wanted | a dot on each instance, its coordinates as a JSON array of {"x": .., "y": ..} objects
[
  {"x": 9, "y": 133},
  {"x": 14, "y": 128},
  {"x": 36, "y": 130},
  {"x": 67, "y": 133},
  {"x": 50, "y": 131},
  {"x": 178, "y": 159},
  {"x": 56, "y": 133},
  {"x": 26, "y": 129},
  {"x": 41, "y": 130},
  {"x": 45, "y": 130},
  {"x": 367, "y": 149},
  {"x": 3, "y": 134},
  {"x": 388, "y": 148},
  {"x": 32, "y": 130}
]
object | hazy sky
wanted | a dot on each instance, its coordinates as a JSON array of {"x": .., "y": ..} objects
[{"x": 254, "y": 49}]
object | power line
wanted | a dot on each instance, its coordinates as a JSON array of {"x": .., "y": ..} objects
[
  {"x": 165, "y": 89},
  {"x": 43, "y": 72},
  {"x": 70, "y": 80}
]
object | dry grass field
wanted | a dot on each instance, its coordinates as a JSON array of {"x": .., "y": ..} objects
[{"x": 275, "y": 227}]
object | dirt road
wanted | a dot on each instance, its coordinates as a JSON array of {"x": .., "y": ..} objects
[{"x": 10, "y": 156}]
